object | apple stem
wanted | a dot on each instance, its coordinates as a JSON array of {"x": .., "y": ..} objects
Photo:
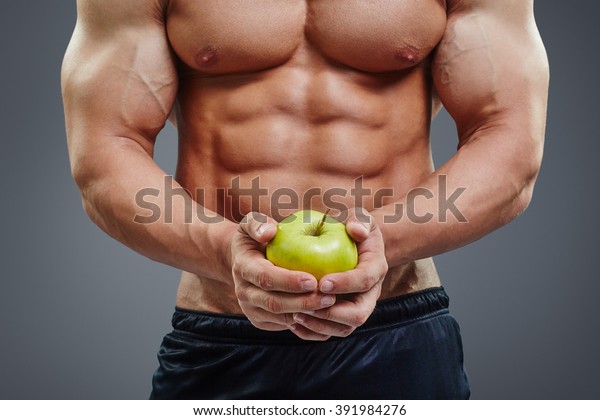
[{"x": 319, "y": 228}]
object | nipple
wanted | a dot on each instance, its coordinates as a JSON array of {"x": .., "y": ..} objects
[
  {"x": 408, "y": 55},
  {"x": 207, "y": 57}
]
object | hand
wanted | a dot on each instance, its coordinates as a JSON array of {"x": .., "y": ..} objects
[
  {"x": 269, "y": 295},
  {"x": 361, "y": 286}
]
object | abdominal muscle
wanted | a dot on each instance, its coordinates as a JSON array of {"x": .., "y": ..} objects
[{"x": 306, "y": 134}]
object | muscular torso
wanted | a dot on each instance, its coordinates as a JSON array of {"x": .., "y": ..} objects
[{"x": 289, "y": 104}]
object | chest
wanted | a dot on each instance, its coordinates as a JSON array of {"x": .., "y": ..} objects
[{"x": 228, "y": 36}]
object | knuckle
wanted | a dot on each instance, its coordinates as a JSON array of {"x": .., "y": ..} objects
[
  {"x": 361, "y": 317},
  {"x": 288, "y": 319},
  {"x": 243, "y": 226},
  {"x": 318, "y": 328},
  {"x": 372, "y": 225},
  {"x": 237, "y": 271},
  {"x": 369, "y": 280},
  {"x": 241, "y": 294},
  {"x": 247, "y": 219},
  {"x": 347, "y": 331},
  {"x": 307, "y": 304},
  {"x": 325, "y": 314},
  {"x": 257, "y": 324},
  {"x": 384, "y": 267},
  {"x": 264, "y": 280},
  {"x": 255, "y": 218},
  {"x": 272, "y": 305},
  {"x": 248, "y": 222}
]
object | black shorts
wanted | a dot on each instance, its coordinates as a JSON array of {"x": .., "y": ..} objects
[{"x": 410, "y": 348}]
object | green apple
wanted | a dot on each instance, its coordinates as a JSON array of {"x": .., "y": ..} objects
[{"x": 312, "y": 242}]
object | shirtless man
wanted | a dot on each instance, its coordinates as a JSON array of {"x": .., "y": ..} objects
[{"x": 306, "y": 95}]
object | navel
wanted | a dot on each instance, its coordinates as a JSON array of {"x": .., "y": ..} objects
[{"x": 207, "y": 57}]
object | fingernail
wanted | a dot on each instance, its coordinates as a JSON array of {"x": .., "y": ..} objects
[
  {"x": 362, "y": 226},
  {"x": 326, "y": 286},
  {"x": 293, "y": 327},
  {"x": 299, "y": 318},
  {"x": 327, "y": 300},
  {"x": 309, "y": 285},
  {"x": 366, "y": 227},
  {"x": 261, "y": 229}
]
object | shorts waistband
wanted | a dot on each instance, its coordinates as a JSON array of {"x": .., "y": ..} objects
[{"x": 388, "y": 313}]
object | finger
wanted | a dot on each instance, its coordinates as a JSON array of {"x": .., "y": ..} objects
[
  {"x": 322, "y": 326},
  {"x": 270, "y": 326},
  {"x": 352, "y": 312},
  {"x": 280, "y": 303},
  {"x": 258, "y": 226},
  {"x": 306, "y": 334},
  {"x": 268, "y": 321},
  {"x": 359, "y": 224},
  {"x": 266, "y": 276},
  {"x": 363, "y": 278}
]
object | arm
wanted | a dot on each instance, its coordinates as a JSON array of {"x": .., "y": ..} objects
[
  {"x": 491, "y": 73},
  {"x": 119, "y": 85}
]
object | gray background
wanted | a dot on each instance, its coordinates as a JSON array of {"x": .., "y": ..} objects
[{"x": 81, "y": 316}]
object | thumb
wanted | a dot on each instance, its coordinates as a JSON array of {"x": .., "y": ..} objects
[
  {"x": 359, "y": 224},
  {"x": 259, "y": 227}
]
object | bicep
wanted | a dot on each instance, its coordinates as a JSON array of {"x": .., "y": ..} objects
[
  {"x": 118, "y": 76},
  {"x": 490, "y": 68}
]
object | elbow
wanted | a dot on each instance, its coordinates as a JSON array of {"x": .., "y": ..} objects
[
  {"x": 515, "y": 204},
  {"x": 90, "y": 210},
  {"x": 524, "y": 192},
  {"x": 88, "y": 203},
  {"x": 88, "y": 170},
  {"x": 522, "y": 201},
  {"x": 81, "y": 176},
  {"x": 526, "y": 168},
  {"x": 94, "y": 207},
  {"x": 87, "y": 183}
]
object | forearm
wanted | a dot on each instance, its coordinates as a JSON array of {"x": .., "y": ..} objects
[
  {"x": 486, "y": 184},
  {"x": 112, "y": 183}
]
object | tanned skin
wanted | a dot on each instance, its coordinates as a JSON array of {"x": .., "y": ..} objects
[{"x": 304, "y": 95}]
